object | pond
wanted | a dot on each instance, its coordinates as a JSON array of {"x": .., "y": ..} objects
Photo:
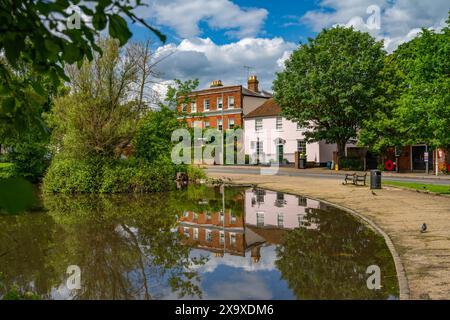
[{"x": 196, "y": 243}]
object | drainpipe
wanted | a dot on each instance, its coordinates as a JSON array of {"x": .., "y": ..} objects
[{"x": 437, "y": 162}]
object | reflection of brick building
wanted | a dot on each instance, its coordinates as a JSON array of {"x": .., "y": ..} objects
[
  {"x": 214, "y": 231},
  {"x": 266, "y": 218},
  {"x": 208, "y": 106}
]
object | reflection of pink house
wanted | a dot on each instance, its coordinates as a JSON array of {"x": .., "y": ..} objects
[
  {"x": 270, "y": 137},
  {"x": 269, "y": 209}
]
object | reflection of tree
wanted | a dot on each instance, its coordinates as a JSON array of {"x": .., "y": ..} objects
[
  {"x": 124, "y": 246},
  {"x": 26, "y": 242},
  {"x": 330, "y": 262}
]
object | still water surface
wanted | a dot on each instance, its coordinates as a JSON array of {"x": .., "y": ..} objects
[{"x": 197, "y": 243}]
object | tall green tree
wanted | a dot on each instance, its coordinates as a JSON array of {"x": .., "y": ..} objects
[
  {"x": 417, "y": 77},
  {"x": 97, "y": 117},
  {"x": 330, "y": 84},
  {"x": 37, "y": 32}
]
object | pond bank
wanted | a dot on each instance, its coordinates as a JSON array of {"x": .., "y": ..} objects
[{"x": 400, "y": 213}]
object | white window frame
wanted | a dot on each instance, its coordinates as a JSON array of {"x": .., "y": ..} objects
[
  {"x": 280, "y": 220},
  {"x": 186, "y": 232},
  {"x": 279, "y": 123},
  {"x": 219, "y": 124},
  {"x": 207, "y": 124},
  {"x": 208, "y": 235},
  {"x": 260, "y": 219},
  {"x": 206, "y": 102},
  {"x": 183, "y": 107},
  {"x": 258, "y": 125},
  {"x": 195, "y": 233},
  {"x": 231, "y": 103},
  {"x": 302, "y": 146},
  {"x": 232, "y": 238},
  {"x": 221, "y": 237},
  {"x": 193, "y": 107},
  {"x": 230, "y": 122},
  {"x": 219, "y": 103}
]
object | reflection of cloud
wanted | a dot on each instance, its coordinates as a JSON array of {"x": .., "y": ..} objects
[
  {"x": 266, "y": 263},
  {"x": 245, "y": 286}
]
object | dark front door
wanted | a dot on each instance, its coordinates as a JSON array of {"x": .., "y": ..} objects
[
  {"x": 280, "y": 152},
  {"x": 418, "y": 158}
]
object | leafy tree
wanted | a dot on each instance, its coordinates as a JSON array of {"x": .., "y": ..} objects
[
  {"x": 418, "y": 80},
  {"x": 154, "y": 134},
  {"x": 331, "y": 83},
  {"x": 36, "y": 32},
  {"x": 96, "y": 119}
]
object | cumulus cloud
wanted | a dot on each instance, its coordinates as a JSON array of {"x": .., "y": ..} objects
[
  {"x": 203, "y": 59},
  {"x": 401, "y": 20},
  {"x": 185, "y": 16}
]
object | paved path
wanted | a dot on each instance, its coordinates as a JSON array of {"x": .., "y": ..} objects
[
  {"x": 400, "y": 213},
  {"x": 330, "y": 174}
]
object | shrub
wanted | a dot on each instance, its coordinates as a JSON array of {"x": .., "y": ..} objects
[
  {"x": 30, "y": 159},
  {"x": 71, "y": 176},
  {"x": 6, "y": 170},
  {"x": 195, "y": 172},
  {"x": 137, "y": 177},
  {"x": 351, "y": 163}
]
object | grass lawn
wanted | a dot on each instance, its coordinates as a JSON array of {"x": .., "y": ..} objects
[
  {"x": 5, "y": 165},
  {"x": 442, "y": 189}
]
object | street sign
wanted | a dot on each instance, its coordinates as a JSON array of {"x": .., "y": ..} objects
[{"x": 425, "y": 157}]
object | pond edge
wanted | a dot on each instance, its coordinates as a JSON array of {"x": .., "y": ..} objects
[{"x": 402, "y": 279}]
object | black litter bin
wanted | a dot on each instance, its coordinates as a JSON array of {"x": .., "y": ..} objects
[{"x": 375, "y": 179}]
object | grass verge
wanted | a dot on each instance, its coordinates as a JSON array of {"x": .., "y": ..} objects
[{"x": 440, "y": 189}]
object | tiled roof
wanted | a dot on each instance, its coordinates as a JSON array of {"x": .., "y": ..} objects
[
  {"x": 268, "y": 109},
  {"x": 262, "y": 94}
]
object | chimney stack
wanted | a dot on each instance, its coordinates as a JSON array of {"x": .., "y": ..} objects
[
  {"x": 216, "y": 83},
  {"x": 252, "y": 84}
]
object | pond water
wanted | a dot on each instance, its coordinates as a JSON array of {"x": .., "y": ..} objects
[{"x": 198, "y": 243}]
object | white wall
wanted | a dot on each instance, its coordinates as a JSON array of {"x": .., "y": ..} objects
[
  {"x": 269, "y": 135},
  {"x": 291, "y": 210}
]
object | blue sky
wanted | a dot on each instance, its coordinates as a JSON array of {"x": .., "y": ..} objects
[{"x": 215, "y": 39}]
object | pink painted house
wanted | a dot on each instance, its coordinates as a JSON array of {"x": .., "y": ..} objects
[{"x": 269, "y": 137}]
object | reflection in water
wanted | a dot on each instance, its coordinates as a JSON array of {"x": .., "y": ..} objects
[{"x": 195, "y": 243}]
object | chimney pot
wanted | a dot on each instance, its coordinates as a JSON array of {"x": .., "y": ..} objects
[
  {"x": 216, "y": 83},
  {"x": 253, "y": 83}
]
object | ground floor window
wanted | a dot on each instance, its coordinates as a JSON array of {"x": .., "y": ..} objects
[
  {"x": 230, "y": 123},
  {"x": 301, "y": 146}
]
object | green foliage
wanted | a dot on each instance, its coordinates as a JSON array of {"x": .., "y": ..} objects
[
  {"x": 30, "y": 33},
  {"x": 30, "y": 158},
  {"x": 347, "y": 163},
  {"x": 417, "y": 80},
  {"x": 96, "y": 119},
  {"x": 72, "y": 176},
  {"x": 330, "y": 84},
  {"x": 195, "y": 173},
  {"x": 108, "y": 176},
  {"x": 131, "y": 176},
  {"x": 6, "y": 170},
  {"x": 153, "y": 137}
]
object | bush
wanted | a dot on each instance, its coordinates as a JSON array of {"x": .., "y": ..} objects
[
  {"x": 195, "y": 173},
  {"x": 6, "y": 170},
  {"x": 71, "y": 176},
  {"x": 30, "y": 159},
  {"x": 132, "y": 176},
  {"x": 121, "y": 176},
  {"x": 351, "y": 164}
]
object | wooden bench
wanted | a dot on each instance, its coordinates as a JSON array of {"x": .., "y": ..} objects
[{"x": 355, "y": 178}]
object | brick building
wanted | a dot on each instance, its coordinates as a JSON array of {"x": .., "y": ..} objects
[{"x": 221, "y": 105}]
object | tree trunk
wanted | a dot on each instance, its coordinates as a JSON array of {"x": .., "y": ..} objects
[{"x": 341, "y": 148}]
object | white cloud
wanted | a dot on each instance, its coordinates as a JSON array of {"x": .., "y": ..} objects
[
  {"x": 185, "y": 16},
  {"x": 207, "y": 61},
  {"x": 401, "y": 20}
]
